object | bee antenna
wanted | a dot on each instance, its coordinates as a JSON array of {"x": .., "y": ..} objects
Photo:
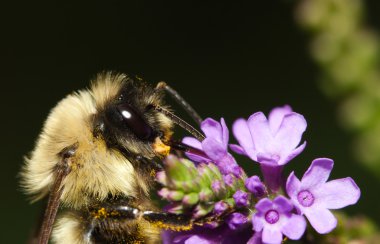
[
  {"x": 179, "y": 99},
  {"x": 180, "y": 122}
]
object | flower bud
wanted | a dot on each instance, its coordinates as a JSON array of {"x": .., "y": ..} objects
[
  {"x": 241, "y": 198},
  {"x": 164, "y": 192},
  {"x": 206, "y": 195},
  {"x": 175, "y": 208},
  {"x": 161, "y": 178},
  {"x": 236, "y": 220},
  {"x": 179, "y": 170},
  {"x": 175, "y": 195},
  {"x": 220, "y": 207},
  {"x": 190, "y": 199},
  {"x": 202, "y": 210},
  {"x": 254, "y": 185}
]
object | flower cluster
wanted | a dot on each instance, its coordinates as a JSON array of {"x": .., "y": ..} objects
[
  {"x": 230, "y": 207},
  {"x": 199, "y": 189}
]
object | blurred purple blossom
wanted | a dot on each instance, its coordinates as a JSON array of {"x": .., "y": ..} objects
[
  {"x": 313, "y": 196},
  {"x": 202, "y": 235}
]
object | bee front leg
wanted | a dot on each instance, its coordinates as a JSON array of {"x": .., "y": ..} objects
[
  {"x": 143, "y": 160},
  {"x": 177, "y": 222}
]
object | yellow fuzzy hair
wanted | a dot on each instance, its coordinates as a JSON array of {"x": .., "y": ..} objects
[
  {"x": 96, "y": 171},
  {"x": 70, "y": 228}
]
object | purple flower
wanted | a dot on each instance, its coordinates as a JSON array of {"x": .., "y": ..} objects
[
  {"x": 220, "y": 207},
  {"x": 313, "y": 196},
  {"x": 236, "y": 220},
  {"x": 241, "y": 198},
  {"x": 202, "y": 235},
  {"x": 255, "y": 186},
  {"x": 275, "y": 219},
  {"x": 271, "y": 142},
  {"x": 215, "y": 146},
  {"x": 256, "y": 238}
]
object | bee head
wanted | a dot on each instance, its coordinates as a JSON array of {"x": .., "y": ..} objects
[
  {"x": 96, "y": 133},
  {"x": 126, "y": 119}
]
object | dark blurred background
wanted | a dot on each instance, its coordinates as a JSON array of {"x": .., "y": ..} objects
[{"x": 228, "y": 59}]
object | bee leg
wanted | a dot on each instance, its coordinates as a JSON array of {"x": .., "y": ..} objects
[
  {"x": 182, "y": 102},
  {"x": 159, "y": 219},
  {"x": 177, "y": 222},
  {"x": 145, "y": 161}
]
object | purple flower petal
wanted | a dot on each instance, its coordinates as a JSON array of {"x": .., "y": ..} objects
[
  {"x": 268, "y": 159},
  {"x": 169, "y": 237},
  {"x": 294, "y": 227},
  {"x": 318, "y": 173},
  {"x": 338, "y": 193},
  {"x": 261, "y": 134},
  {"x": 292, "y": 154},
  {"x": 257, "y": 222},
  {"x": 242, "y": 134},
  {"x": 272, "y": 236},
  {"x": 264, "y": 205},
  {"x": 191, "y": 141},
  {"x": 198, "y": 240},
  {"x": 212, "y": 129},
  {"x": 238, "y": 149},
  {"x": 290, "y": 132},
  {"x": 219, "y": 235},
  {"x": 283, "y": 204},
  {"x": 322, "y": 220},
  {"x": 255, "y": 239},
  {"x": 225, "y": 133},
  {"x": 214, "y": 149},
  {"x": 215, "y": 146},
  {"x": 229, "y": 166},
  {"x": 293, "y": 185},
  {"x": 196, "y": 144},
  {"x": 276, "y": 116}
]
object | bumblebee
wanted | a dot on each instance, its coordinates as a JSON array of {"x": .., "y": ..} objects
[{"x": 97, "y": 156}]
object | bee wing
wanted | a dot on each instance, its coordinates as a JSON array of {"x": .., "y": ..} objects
[{"x": 53, "y": 203}]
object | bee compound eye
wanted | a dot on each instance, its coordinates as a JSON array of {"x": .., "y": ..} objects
[{"x": 134, "y": 121}]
